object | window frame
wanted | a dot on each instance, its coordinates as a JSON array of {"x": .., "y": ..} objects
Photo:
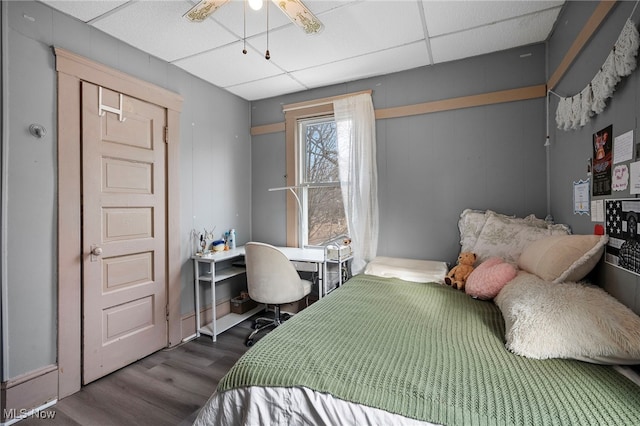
[
  {"x": 293, "y": 167},
  {"x": 303, "y": 182},
  {"x": 293, "y": 113}
]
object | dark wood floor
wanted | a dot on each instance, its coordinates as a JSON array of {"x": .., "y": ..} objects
[{"x": 165, "y": 388}]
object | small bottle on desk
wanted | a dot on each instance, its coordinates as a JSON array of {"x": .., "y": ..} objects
[{"x": 232, "y": 239}]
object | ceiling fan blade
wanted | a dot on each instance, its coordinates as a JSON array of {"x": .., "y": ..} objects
[
  {"x": 204, "y": 9},
  {"x": 300, "y": 15}
]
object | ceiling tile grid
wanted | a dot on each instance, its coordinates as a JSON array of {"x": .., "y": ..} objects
[
  {"x": 360, "y": 38},
  {"x": 445, "y": 17},
  {"x": 489, "y": 38},
  {"x": 377, "y": 63},
  {"x": 228, "y": 66},
  {"x": 159, "y": 29}
]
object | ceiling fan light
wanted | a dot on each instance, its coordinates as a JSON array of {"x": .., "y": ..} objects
[{"x": 255, "y": 4}]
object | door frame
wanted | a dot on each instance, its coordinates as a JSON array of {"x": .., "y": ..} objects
[{"x": 71, "y": 70}]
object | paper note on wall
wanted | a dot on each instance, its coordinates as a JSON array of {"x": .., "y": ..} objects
[
  {"x": 634, "y": 176},
  {"x": 597, "y": 211},
  {"x": 581, "y": 203},
  {"x": 620, "y": 178},
  {"x": 623, "y": 147}
]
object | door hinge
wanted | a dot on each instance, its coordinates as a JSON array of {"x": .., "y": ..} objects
[
  {"x": 166, "y": 134},
  {"x": 167, "y": 311}
]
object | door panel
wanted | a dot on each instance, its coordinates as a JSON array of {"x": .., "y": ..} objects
[
  {"x": 126, "y": 176},
  {"x": 129, "y": 223},
  {"x": 124, "y": 228},
  {"x": 127, "y": 319},
  {"x": 126, "y": 271}
]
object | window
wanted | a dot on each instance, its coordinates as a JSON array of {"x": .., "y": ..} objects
[{"x": 321, "y": 197}]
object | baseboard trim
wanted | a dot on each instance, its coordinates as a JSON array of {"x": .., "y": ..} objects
[
  {"x": 40, "y": 412},
  {"x": 29, "y": 393}
]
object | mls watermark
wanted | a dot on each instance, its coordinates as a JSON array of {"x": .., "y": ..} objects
[{"x": 21, "y": 414}]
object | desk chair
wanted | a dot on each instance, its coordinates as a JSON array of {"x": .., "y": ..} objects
[{"x": 271, "y": 280}]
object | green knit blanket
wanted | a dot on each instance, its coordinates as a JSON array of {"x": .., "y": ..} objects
[{"x": 432, "y": 353}]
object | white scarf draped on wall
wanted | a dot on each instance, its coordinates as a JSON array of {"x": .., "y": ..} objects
[
  {"x": 576, "y": 111},
  {"x": 356, "y": 131}
]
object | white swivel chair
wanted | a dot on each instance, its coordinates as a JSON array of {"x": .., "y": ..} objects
[{"x": 271, "y": 280}]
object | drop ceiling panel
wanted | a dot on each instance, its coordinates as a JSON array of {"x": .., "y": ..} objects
[
  {"x": 490, "y": 38},
  {"x": 160, "y": 29},
  {"x": 444, "y": 17},
  {"x": 227, "y": 66},
  {"x": 349, "y": 32},
  {"x": 85, "y": 10},
  {"x": 382, "y": 62},
  {"x": 266, "y": 88}
]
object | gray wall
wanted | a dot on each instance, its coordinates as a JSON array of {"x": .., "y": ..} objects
[
  {"x": 570, "y": 149},
  {"x": 214, "y": 160},
  {"x": 431, "y": 166}
]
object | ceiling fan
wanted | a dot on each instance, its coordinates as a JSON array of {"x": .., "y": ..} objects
[{"x": 294, "y": 9}]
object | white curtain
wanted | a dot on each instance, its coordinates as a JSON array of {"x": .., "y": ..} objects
[{"x": 356, "y": 130}]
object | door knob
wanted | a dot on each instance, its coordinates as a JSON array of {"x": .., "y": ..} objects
[{"x": 95, "y": 252}]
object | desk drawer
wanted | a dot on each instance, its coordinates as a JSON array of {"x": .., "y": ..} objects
[{"x": 305, "y": 266}]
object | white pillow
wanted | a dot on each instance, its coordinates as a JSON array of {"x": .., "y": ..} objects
[
  {"x": 529, "y": 220},
  {"x": 416, "y": 270},
  {"x": 470, "y": 225},
  {"x": 563, "y": 257},
  {"x": 506, "y": 238},
  {"x": 569, "y": 320},
  {"x": 472, "y": 221}
]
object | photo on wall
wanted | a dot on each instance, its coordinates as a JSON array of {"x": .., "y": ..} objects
[
  {"x": 621, "y": 221},
  {"x": 602, "y": 159}
]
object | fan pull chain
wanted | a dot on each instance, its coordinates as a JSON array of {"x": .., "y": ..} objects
[
  {"x": 267, "y": 55},
  {"x": 244, "y": 34}
]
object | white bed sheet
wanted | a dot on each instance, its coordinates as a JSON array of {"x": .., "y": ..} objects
[
  {"x": 291, "y": 406},
  {"x": 421, "y": 271}
]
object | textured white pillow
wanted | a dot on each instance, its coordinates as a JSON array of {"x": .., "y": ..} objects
[
  {"x": 531, "y": 220},
  {"x": 506, "y": 238},
  {"x": 569, "y": 320},
  {"x": 563, "y": 257},
  {"x": 470, "y": 225}
]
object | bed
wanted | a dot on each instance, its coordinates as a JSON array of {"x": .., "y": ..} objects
[{"x": 384, "y": 350}]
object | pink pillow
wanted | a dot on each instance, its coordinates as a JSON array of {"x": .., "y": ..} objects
[{"x": 486, "y": 281}]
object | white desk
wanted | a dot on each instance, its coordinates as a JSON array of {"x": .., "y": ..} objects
[
  {"x": 314, "y": 260},
  {"x": 206, "y": 272}
]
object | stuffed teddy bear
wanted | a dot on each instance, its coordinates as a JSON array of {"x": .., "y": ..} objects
[
  {"x": 457, "y": 276},
  {"x": 486, "y": 281}
]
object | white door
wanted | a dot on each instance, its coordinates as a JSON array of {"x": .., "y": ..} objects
[{"x": 124, "y": 230}]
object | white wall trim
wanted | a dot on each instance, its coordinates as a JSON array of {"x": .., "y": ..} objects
[
  {"x": 4, "y": 190},
  {"x": 29, "y": 393}
]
